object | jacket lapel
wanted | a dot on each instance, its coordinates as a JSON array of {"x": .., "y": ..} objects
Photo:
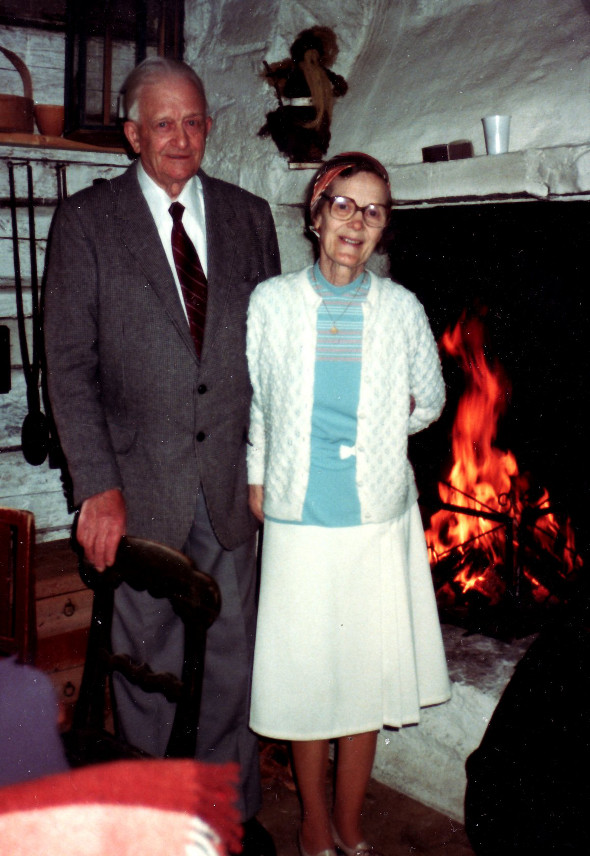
[
  {"x": 222, "y": 250},
  {"x": 140, "y": 236}
]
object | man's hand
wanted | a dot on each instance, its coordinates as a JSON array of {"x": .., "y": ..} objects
[
  {"x": 255, "y": 500},
  {"x": 101, "y": 524}
]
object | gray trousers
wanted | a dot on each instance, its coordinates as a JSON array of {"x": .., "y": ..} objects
[{"x": 149, "y": 629}]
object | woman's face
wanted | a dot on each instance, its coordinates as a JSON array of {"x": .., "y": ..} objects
[{"x": 346, "y": 245}]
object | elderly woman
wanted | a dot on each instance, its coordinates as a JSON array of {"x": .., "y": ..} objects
[{"x": 343, "y": 366}]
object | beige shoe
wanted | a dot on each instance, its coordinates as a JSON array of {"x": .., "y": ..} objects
[
  {"x": 363, "y": 848},
  {"x": 329, "y": 851}
]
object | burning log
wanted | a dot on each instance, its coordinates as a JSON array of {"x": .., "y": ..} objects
[{"x": 494, "y": 534}]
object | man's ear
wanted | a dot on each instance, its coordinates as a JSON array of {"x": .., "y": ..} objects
[{"x": 131, "y": 132}]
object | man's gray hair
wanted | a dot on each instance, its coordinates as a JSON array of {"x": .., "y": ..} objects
[{"x": 152, "y": 70}]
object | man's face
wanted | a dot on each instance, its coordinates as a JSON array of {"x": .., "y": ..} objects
[{"x": 171, "y": 132}]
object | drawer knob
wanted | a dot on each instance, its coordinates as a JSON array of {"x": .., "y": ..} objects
[
  {"x": 69, "y": 689},
  {"x": 69, "y": 608}
]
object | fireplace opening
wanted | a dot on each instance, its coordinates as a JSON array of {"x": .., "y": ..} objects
[{"x": 518, "y": 270}]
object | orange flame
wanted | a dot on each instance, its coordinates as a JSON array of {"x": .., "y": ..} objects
[{"x": 486, "y": 501}]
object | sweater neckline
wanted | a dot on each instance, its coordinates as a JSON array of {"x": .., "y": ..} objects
[{"x": 321, "y": 284}]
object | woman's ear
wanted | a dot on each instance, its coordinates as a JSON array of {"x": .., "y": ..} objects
[{"x": 315, "y": 225}]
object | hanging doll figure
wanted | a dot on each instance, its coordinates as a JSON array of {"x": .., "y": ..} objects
[{"x": 305, "y": 88}]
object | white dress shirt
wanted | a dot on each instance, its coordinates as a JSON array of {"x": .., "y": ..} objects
[{"x": 193, "y": 218}]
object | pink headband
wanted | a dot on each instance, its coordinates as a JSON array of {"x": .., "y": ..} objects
[{"x": 336, "y": 165}]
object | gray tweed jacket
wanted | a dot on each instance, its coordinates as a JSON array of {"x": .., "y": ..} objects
[{"x": 133, "y": 405}]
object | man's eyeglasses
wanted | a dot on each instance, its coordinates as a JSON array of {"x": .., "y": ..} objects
[{"x": 344, "y": 208}]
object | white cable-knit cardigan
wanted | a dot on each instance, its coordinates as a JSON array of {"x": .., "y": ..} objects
[{"x": 399, "y": 360}]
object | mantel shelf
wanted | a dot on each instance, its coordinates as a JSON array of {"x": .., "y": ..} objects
[
  {"x": 559, "y": 173},
  {"x": 40, "y": 141}
]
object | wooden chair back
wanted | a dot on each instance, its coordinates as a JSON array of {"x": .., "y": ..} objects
[
  {"x": 18, "y": 633},
  {"x": 194, "y": 596}
]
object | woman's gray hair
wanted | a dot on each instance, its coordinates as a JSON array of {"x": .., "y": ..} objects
[{"x": 152, "y": 70}]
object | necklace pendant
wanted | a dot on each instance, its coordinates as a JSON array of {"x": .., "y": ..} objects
[{"x": 333, "y": 329}]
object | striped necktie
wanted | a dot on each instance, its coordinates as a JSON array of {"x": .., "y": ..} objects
[{"x": 191, "y": 276}]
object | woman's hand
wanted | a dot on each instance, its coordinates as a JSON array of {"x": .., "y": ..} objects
[{"x": 255, "y": 500}]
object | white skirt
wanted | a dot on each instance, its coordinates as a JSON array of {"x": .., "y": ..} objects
[{"x": 348, "y": 636}]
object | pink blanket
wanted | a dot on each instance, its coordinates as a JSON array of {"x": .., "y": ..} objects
[{"x": 127, "y": 808}]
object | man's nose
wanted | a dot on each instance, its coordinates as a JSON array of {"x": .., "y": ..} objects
[{"x": 181, "y": 136}]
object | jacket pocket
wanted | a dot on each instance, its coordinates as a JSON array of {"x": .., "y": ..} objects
[{"x": 122, "y": 437}]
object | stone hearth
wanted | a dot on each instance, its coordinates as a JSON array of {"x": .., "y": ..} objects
[{"x": 427, "y": 762}]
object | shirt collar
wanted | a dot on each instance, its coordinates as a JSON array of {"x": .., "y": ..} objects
[{"x": 191, "y": 195}]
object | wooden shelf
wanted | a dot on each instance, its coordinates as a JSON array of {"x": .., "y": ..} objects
[{"x": 40, "y": 141}]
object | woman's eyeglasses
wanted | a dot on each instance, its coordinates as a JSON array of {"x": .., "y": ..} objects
[{"x": 344, "y": 208}]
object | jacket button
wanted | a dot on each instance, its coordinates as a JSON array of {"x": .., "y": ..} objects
[
  {"x": 202, "y": 388},
  {"x": 201, "y": 436}
]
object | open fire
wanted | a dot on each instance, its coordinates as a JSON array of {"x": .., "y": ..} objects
[{"x": 495, "y": 535}]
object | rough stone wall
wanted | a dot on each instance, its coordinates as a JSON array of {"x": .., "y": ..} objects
[
  {"x": 420, "y": 72},
  {"x": 435, "y": 68}
]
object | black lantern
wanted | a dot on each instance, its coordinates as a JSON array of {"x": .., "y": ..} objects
[{"x": 105, "y": 39}]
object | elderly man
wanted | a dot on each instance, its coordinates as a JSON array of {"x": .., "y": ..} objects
[{"x": 148, "y": 284}]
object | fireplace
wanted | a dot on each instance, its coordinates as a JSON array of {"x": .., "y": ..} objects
[{"x": 517, "y": 269}]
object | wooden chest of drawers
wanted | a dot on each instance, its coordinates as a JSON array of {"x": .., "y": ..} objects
[{"x": 64, "y": 610}]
